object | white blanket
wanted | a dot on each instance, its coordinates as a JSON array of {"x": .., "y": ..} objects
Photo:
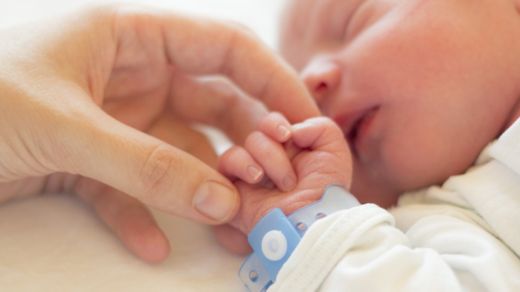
[{"x": 55, "y": 243}]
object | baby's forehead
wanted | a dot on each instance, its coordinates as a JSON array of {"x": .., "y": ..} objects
[
  {"x": 296, "y": 7},
  {"x": 308, "y": 13},
  {"x": 297, "y": 13},
  {"x": 300, "y": 4}
]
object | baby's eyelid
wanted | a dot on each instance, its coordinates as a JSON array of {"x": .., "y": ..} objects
[
  {"x": 368, "y": 14},
  {"x": 354, "y": 23}
]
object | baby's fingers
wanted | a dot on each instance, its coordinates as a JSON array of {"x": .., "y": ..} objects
[
  {"x": 273, "y": 158},
  {"x": 276, "y": 126},
  {"x": 320, "y": 134},
  {"x": 238, "y": 163}
]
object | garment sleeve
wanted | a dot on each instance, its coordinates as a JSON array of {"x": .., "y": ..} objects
[{"x": 360, "y": 249}]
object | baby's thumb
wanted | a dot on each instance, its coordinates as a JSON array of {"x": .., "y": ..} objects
[{"x": 157, "y": 174}]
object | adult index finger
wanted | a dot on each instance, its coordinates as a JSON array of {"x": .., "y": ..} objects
[{"x": 201, "y": 46}]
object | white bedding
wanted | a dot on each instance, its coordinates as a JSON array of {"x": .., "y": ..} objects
[{"x": 55, "y": 243}]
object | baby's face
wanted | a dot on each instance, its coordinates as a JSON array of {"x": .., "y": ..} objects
[{"x": 419, "y": 87}]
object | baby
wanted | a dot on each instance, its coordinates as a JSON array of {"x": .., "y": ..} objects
[{"x": 418, "y": 89}]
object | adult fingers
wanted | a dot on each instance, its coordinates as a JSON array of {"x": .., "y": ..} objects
[
  {"x": 199, "y": 46},
  {"x": 127, "y": 218},
  {"x": 157, "y": 174},
  {"x": 181, "y": 136},
  {"x": 215, "y": 101},
  {"x": 232, "y": 239}
]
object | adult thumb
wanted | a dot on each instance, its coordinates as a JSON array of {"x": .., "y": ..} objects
[{"x": 154, "y": 172}]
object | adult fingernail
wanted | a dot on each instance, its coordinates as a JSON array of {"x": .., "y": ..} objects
[
  {"x": 215, "y": 200},
  {"x": 284, "y": 132},
  {"x": 254, "y": 172}
]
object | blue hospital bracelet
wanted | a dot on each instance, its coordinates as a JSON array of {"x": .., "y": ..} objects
[{"x": 275, "y": 237}]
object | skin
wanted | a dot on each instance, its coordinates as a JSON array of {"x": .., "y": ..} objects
[
  {"x": 99, "y": 104},
  {"x": 313, "y": 153},
  {"x": 443, "y": 76},
  {"x": 432, "y": 81}
]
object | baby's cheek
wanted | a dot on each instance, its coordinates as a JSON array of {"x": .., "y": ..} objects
[{"x": 420, "y": 159}]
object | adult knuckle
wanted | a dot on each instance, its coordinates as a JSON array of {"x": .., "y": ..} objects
[
  {"x": 236, "y": 38},
  {"x": 156, "y": 170}
]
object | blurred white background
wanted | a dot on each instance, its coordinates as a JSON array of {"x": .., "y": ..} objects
[
  {"x": 260, "y": 15},
  {"x": 55, "y": 243}
]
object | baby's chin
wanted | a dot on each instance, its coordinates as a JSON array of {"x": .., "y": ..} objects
[
  {"x": 383, "y": 187},
  {"x": 380, "y": 197},
  {"x": 374, "y": 190},
  {"x": 382, "y": 181}
]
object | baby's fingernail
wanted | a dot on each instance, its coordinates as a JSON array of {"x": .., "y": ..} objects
[
  {"x": 284, "y": 132},
  {"x": 289, "y": 183},
  {"x": 215, "y": 200},
  {"x": 255, "y": 173}
]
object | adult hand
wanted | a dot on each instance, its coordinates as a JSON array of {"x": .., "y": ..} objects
[{"x": 79, "y": 94}]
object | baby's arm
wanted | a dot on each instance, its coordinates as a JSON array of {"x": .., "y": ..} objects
[{"x": 360, "y": 249}]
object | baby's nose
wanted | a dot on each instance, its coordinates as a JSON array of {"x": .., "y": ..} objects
[{"x": 322, "y": 77}]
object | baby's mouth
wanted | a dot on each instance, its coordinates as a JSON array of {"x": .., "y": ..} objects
[{"x": 356, "y": 126}]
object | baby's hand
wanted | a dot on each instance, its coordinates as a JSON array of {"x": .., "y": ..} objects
[{"x": 283, "y": 166}]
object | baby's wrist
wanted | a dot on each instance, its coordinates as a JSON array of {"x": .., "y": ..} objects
[
  {"x": 288, "y": 205},
  {"x": 276, "y": 236}
]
